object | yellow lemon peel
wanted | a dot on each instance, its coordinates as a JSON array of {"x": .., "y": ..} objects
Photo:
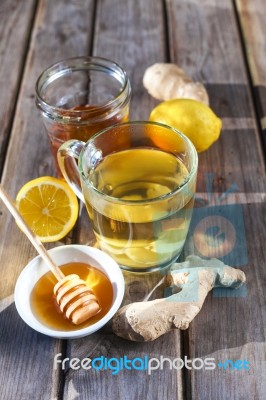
[{"x": 194, "y": 119}]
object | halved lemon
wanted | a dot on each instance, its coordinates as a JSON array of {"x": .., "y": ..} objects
[{"x": 49, "y": 206}]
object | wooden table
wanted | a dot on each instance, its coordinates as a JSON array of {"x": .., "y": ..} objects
[{"x": 223, "y": 45}]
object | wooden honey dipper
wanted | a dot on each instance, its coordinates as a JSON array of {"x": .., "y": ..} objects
[{"x": 75, "y": 299}]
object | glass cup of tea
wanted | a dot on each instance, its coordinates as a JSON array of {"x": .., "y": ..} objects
[
  {"x": 138, "y": 183},
  {"x": 80, "y": 96}
]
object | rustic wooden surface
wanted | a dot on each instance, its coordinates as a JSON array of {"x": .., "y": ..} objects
[
  {"x": 221, "y": 44},
  {"x": 13, "y": 49},
  {"x": 252, "y": 20}
]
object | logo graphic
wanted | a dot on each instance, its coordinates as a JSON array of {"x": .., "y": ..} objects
[
  {"x": 217, "y": 229},
  {"x": 214, "y": 236}
]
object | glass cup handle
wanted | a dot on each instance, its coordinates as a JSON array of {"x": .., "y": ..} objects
[{"x": 67, "y": 155}]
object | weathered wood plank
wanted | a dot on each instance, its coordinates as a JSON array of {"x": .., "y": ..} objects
[
  {"x": 61, "y": 29},
  {"x": 229, "y": 325},
  {"x": 126, "y": 384},
  {"x": 15, "y": 24},
  {"x": 131, "y": 33},
  {"x": 252, "y": 17}
]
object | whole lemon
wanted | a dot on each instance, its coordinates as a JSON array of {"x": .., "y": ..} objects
[{"x": 192, "y": 118}]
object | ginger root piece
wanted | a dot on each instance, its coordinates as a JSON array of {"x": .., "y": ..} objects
[
  {"x": 165, "y": 81},
  {"x": 146, "y": 321}
]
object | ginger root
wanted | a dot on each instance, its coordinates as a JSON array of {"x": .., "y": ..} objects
[
  {"x": 165, "y": 81},
  {"x": 147, "y": 320}
]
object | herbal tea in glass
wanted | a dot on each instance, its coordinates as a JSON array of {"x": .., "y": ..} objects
[{"x": 138, "y": 182}]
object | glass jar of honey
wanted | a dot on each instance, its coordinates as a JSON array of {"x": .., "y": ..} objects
[{"x": 80, "y": 96}]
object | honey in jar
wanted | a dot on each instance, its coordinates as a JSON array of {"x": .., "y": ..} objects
[{"x": 80, "y": 96}]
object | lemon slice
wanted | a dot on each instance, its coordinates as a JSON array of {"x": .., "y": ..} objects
[
  {"x": 194, "y": 119},
  {"x": 49, "y": 207}
]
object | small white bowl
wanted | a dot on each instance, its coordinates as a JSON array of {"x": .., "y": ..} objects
[{"x": 62, "y": 255}]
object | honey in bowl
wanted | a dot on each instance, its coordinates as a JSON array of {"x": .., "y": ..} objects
[{"x": 46, "y": 309}]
